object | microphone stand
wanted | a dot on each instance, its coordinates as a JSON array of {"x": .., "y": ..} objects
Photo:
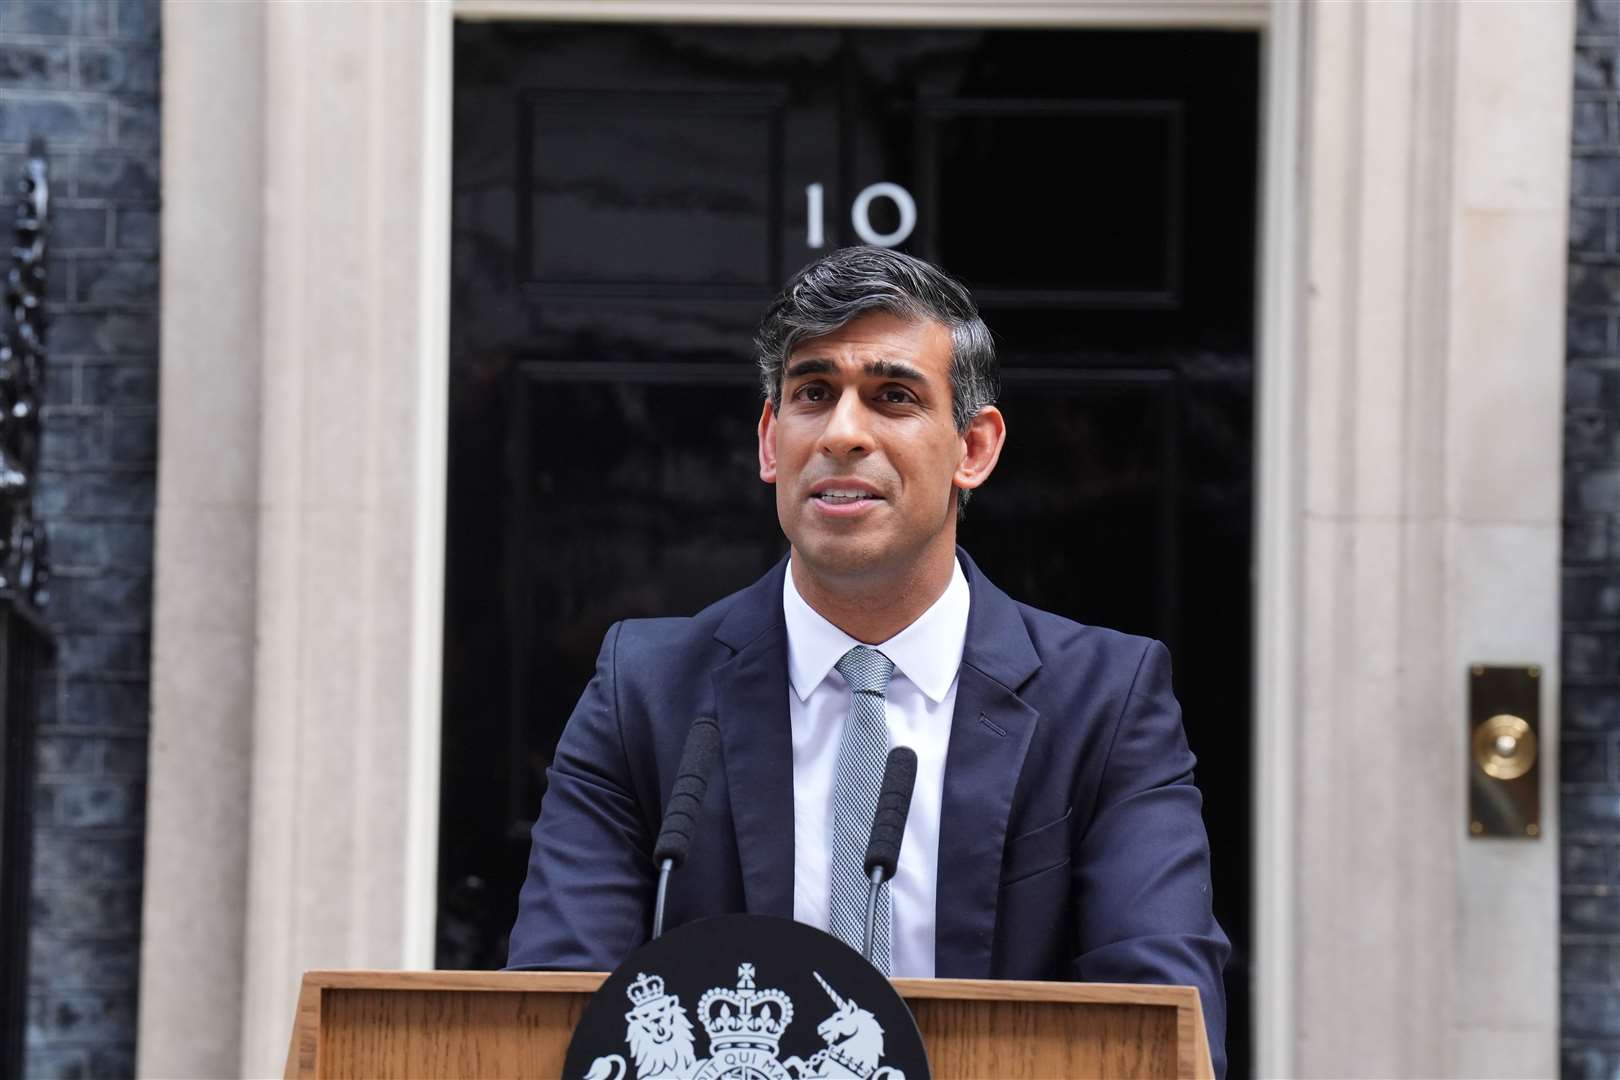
[
  {"x": 663, "y": 887},
  {"x": 871, "y": 911}
]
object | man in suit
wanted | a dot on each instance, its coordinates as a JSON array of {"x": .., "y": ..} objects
[{"x": 1054, "y": 831}]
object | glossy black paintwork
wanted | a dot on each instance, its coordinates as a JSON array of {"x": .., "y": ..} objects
[{"x": 626, "y": 201}]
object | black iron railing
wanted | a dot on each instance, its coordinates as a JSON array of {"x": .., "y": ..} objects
[{"x": 25, "y": 643}]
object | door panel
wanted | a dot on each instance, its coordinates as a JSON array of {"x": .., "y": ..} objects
[{"x": 628, "y": 198}]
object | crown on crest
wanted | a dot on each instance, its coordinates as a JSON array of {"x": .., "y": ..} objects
[
  {"x": 646, "y": 988},
  {"x": 745, "y": 1017}
]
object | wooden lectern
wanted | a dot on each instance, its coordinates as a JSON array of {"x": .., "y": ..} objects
[{"x": 377, "y": 1024}]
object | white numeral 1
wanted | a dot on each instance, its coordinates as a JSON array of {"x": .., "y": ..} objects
[{"x": 813, "y": 217}]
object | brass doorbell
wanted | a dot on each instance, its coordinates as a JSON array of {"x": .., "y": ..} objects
[{"x": 1504, "y": 777}]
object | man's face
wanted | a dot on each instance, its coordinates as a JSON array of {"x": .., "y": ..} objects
[{"x": 863, "y": 450}]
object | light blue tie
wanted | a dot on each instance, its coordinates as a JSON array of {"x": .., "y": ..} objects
[{"x": 861, "y": 755}]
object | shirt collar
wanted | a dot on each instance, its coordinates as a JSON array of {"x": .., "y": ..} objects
[{"x": 927, "y": 652}]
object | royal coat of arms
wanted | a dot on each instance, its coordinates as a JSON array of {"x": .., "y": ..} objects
[{"x": 745, "y": 1026}]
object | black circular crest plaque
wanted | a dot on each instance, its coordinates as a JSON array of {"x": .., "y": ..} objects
[{"x": 746, "y": 997}]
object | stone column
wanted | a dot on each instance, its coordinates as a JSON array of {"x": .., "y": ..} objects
[
  {"x": 350, "y": 570},
  {"x": 204, "y": 605},
  {"x": 1435, "y": 174}
]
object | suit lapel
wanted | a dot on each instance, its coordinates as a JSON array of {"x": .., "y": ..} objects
[
  {"x": 990, "y": 735},
  {"x": 756, "y": 739}
]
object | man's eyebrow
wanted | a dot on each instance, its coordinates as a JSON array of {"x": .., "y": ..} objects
[
  {"x": 882, "y": 369},
  {"x": 814, "y": 366},
  {"x": 894, "y": 369}
]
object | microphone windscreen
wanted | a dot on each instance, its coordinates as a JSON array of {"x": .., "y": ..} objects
[
  {"x": 691, "y": 781},
  {"x": 894, "y": 804}
]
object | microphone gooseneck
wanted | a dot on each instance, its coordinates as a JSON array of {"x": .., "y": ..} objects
[
  {"x": 685, "y": 799},
  {"x": 888, "y": 830}
]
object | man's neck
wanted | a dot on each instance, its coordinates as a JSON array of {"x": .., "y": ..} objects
[{"x": 874, "y": 609}]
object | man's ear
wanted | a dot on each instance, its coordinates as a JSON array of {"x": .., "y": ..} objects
[
  {"x": 981, "y": 444},
  {"x": 767, "y": 444}
]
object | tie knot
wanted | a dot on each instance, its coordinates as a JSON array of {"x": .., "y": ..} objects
[{"x": 866, "y": 670}]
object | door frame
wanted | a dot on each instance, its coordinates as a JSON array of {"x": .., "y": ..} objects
[
  {"x": 1410, "y": 150},
  {"x": 1276, "y": 540}
]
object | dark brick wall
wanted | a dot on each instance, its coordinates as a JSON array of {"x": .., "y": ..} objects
[
  {"x": 84, "y": 74},
  {"x": 1589, "y": 970}
]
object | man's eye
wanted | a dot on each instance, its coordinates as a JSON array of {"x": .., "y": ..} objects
[
  {"x": 812, "y": 393},
  {"x": 896, "y": 397}
]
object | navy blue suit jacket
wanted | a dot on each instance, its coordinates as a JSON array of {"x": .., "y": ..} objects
[{"x": 1071, "y": 845}]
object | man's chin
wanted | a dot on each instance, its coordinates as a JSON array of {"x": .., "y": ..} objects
[{"x": 843, "y": 557}]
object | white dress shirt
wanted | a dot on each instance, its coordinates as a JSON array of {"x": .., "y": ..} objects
[{"x": 918, "y": 709}]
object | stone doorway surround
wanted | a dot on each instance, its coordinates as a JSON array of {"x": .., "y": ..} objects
[{"x": 1413, "y": 230}]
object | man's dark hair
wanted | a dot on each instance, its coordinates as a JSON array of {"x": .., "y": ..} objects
[{"x": 834, "y": 291}]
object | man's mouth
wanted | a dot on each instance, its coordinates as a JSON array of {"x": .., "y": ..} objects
[{"x": 839, "y": 497}]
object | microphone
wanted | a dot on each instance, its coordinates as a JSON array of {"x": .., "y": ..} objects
[
  {"x": 691, "y": 781},
  {"x": 888, "y": 829}
]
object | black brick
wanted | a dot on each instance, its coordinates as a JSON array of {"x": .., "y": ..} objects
[
  {"x": 124, "y": 757},
  {"x": 137, "y": 126},
  {"x": 1589, "y": 229},
  {"x": 57, "y": 290},
  {"x": 1591, "y": 126},
  {"x": 1593, "y": 286},
  {"x": 137, "y": 230},
  {"x": 95, "y": 18},
  {"x": 1594, "y": 67},
  {"x": 78, "y": 228},
  {"x": 116, "y": 281},
  {"x": 118, "y": 69},
  {"x": 1590, "y": 385},
  {"x": 101, "y": 544},
  {"x": 28, "y": 66},
  {"x": 38, "y": 17},
  {"x": 1587, "y": 435},
  {"x": 136, "y": 19},
  {"x": 1591, "y": 914},
  {"x": 87, "y": 1016},
  {"x": 1591, "y": 813},
  {"x": 1593, "y": 490},
  {"x": 1586, "y": 964},
  {"x": 1596, "y": 176},
  {"x": 68, "y": 855},
  {"x": 1586, "y": 1061},
  {"x": 118, "y": 384},
  {"x": 1591, "y": 594},
  {"x": 1585, "y": 760},
  {"x": 72, "y": 439},
  {"x": 1597, "y": 17},
  {"x": 103, "y": 601},
  {"x": 68, "y": 754},
  {"x": 1586, "y": 864},
  {"x": 1588, "y": 655},
  {"x": 82, "y": 964},
  {"x": 61, "y": 381},
  {"x": 1586, "y": 539},
  {"x": 88, "y": 804},
  {"x": 85, "y": 907},
  {"x": 124, "y": 177},
  {"x": 95, "y": 494},
  {"x": 1588, "y": 334},
  {"x": 122, "y": 704},
  {"x": 82, "y": 654},
  {"x": 57, "y": 1062},
  {"x": 1591, "y": 1014},
  {"x": 134, "y": 437},
  {"x": 115, "y": 334},
  {"x": 64, "y": 122}
]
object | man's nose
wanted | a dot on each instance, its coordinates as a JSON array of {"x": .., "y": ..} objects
[{"x": 847, "y": 431}]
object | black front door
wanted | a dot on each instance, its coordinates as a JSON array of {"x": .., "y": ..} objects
[{"x": 628, "y": 198}]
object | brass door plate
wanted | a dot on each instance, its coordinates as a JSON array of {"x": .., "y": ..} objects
[{"x": 1503, "y": 751}]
